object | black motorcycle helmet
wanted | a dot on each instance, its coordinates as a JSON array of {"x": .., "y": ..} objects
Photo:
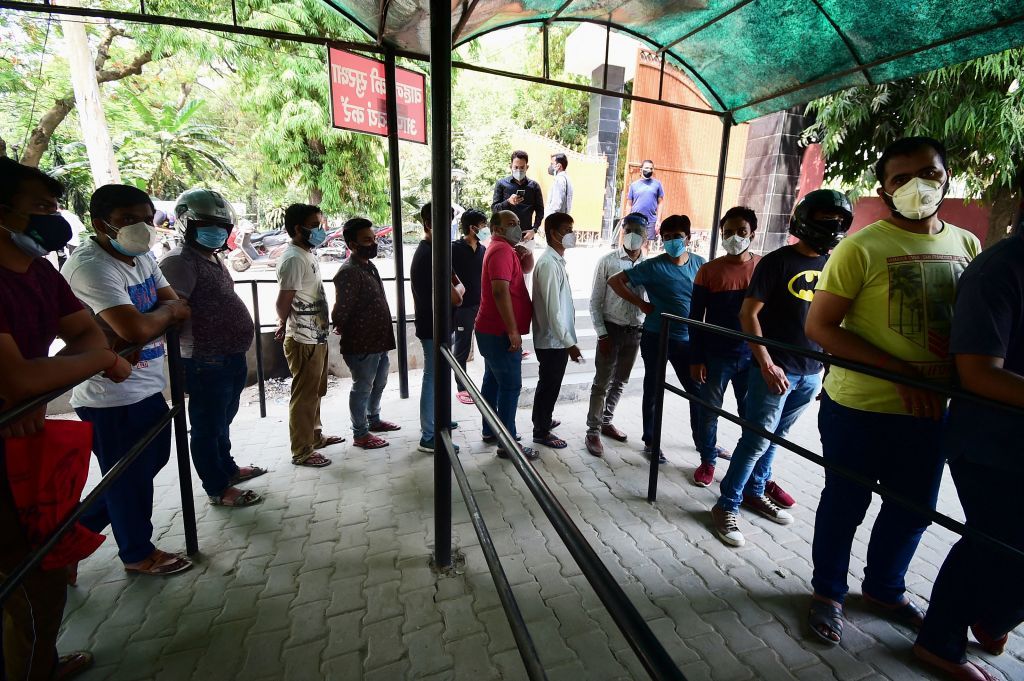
[{"x": 821, "y": 235}]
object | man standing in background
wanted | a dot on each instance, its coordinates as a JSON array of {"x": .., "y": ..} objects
[
  {"x": 467, "y": 265},
  {"x": 560, "y": 200},
  {"x": 645, "y": 196},
  {"x": 521, "y": 195}
]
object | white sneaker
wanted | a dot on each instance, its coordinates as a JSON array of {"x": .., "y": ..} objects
[{"x": 727, "y": 526}]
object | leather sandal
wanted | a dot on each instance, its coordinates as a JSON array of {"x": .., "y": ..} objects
[
  {"x": 906, "y": 613},
  {"x": 384, "y": 427},
  {"x": 959, "y": 671},
  {"x": 71, "y": 665},
  {"x": 247, "y": 473},
  {"x": 988, "y": 643},
  {"x": 243, "y": 498},
  {"x": 825, "y": 619},
  {"x": 160, "y": 563}
]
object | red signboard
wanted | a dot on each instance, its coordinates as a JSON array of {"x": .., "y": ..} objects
[{"x": 358, "y": 97}]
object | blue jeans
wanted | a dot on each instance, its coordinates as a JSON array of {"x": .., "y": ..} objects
[
  {"x": 214, "y": 385},
  {"x": 902, "y": 453},
  {"x": 679, "y": 358},
  {"x": 978, "y": 584},
  {"x": 720, "y": 372},
  {"x": 751, "y": 465},
  {"x": 128, "y": 505},
  {"x": 369, "y": 378},
  {"x": 427, "y": 392},
  {"x": 503, "y": 378}
]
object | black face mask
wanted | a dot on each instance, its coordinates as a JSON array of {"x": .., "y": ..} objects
[
  {"x": 367, "y": 252},
  {"x": 647, "y": 173}
]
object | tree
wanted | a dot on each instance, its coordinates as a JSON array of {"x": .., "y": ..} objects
[{"x": 976, "y": 108}]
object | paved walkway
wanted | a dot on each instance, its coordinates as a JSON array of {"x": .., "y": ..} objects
[{"x": 329, "y": 578}]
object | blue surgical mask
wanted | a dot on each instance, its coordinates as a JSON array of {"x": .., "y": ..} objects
[
  {"x": 211, "y": 237},
  {"x": 44, "y": 233},
  {"x": 316, "y": 236},
  {"x": 484, "y": 233},
  {"x": 676, "y": 247}
]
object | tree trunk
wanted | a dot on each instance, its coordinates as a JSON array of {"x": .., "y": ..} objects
[
  {"x": 3, "y": 148},
  {"x": 92, "y": 118},
  {"x": 39, "y": 139},
  {"x": 316, "y": 196},
  {"x": 1001, "y": 210}
]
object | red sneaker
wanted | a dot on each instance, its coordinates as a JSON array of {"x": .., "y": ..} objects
[
  {"x": 704, "y": 475},
  {"x": 780, "y": 496}
]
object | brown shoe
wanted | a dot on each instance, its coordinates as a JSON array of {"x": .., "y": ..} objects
[
  {"x": 594, "y": 445},
  {"x": 613, "y": 432}
]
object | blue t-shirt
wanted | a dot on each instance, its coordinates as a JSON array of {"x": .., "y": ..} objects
[
  {"x": 989, "y": 320},
  {"x": 669, "y": 288},
  {"x": 643, "y": 196}
]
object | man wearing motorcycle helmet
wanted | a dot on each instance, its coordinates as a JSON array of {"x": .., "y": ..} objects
[
  {"x": 885, "y": 299},
  {"x": 783, "y": 384},
  {"x": 213, "y": 341}
]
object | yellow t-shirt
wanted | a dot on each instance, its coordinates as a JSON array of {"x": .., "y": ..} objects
[{"x": 902, "y": 286}]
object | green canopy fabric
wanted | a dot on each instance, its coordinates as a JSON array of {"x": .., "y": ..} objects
[{"x": 749, "y": 57}]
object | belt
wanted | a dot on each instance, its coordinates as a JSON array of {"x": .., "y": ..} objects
[{"x": 623, "y": 326}]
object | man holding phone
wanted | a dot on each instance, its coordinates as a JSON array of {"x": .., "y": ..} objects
[{"x": 521, "y": 195}]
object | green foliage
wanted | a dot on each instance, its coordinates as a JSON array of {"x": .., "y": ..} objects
[
  {"x": 975, "y": 108},
  {"x": 558, "y": 113}
]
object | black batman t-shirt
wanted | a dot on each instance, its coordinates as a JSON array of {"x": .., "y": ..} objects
[{"x": 784, "y": 281}]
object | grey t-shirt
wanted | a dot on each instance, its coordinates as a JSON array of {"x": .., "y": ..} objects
[{"x": 101, "y": 282}]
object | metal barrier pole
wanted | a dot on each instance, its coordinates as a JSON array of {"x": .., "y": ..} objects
[
  {"x": 628, "y": 619},
  {"x": 440, "y": 166},
  {"x": 259, "y": 349},
  {"x": 520, "y": 632},
  {"x": 723, "y": 158},
  {"x": 18, "y": 575},
  {"x": 395, "y": 180},
  {"x": 176, "y": 370},
  {"x": 659, "y": 408}
]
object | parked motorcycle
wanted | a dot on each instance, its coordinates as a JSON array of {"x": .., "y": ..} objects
[
  {"x": 334, "y": 247},
  {"x": 263, "y": 249}
]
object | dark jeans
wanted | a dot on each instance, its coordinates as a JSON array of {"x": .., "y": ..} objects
[
  {"x": 549, "y": 383},
  {"x": 128, "y": 505},
  {"x": 720, "y": 372},
  {"x": 503, "y": 378},
  {"x": 462, "y": 338},
  {"x": 978, "y": 584},
  {"x": 679, "y": 358},
  {"x": 214, "y": 386},
  {"x": 611, "y": 373},
  {"x": 900, "y": 452}
]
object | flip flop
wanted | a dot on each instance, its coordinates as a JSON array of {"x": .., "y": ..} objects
[
  {"x": 157, "y": 564},
  {"x": 384, "y": 427},
  {"x": 245, "y": 498},
  {"x": 464, "y": 397},
  {"x": 370, "y": 442},
  {"x": 314, "y": 460},
  {"x": 254, "y": 472},
  {"x": 329, "y": 441},
  {"x": 963, "y": 671},
  {"x": 552, "y": 441},
  {"x": 71, "y": 665},
  {"x": 825, "y": 614},
  {"x": 555, "y": 423}
]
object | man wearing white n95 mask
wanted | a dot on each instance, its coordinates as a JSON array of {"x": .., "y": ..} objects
[
  {"x": 619, "y": 326},
  {"x": 554, "y": 326}
]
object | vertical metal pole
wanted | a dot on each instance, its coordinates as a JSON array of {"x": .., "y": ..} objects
[
  {"x": 395, "y": 180},
  {"x": 723, "y": 157},
  {"x": 659, "y": 408},
  {"x": 607, "y": 49},
  {"x": 175, "y": 370},
  {"x": 441, "y": 162},
  {"x": 547, "y": 70},
  {"x": 234, "y": 13},
  {"x": 259, "y": 349},
  {"x": 661, "y": 77}
]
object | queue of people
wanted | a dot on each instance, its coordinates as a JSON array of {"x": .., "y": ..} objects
[{"x": 910, "y": 294}]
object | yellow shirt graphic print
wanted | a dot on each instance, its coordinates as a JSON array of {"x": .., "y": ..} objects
[
  {"x": 802, "y": 285},
  {"x": 902, "y": 287}
]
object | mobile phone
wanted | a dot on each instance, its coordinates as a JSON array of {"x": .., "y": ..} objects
[{"x": 521, "y": 193}]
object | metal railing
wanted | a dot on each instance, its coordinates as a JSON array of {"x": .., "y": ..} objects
[
  {"x": 176, "y": 414},
  {"x": 400, "y": 321},
  {"x": 881, "y": 490},
  {"x": 627, "y": 618}
]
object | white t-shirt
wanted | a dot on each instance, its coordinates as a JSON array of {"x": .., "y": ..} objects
[
  {"x": 299, "y": 271},
  {"x": 101, "y": 282}
]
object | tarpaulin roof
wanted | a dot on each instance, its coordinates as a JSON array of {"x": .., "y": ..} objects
[{"x": 749, "y": 57}]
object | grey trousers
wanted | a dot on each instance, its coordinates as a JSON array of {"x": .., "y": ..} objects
[{"x": 611, "y": 374}]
